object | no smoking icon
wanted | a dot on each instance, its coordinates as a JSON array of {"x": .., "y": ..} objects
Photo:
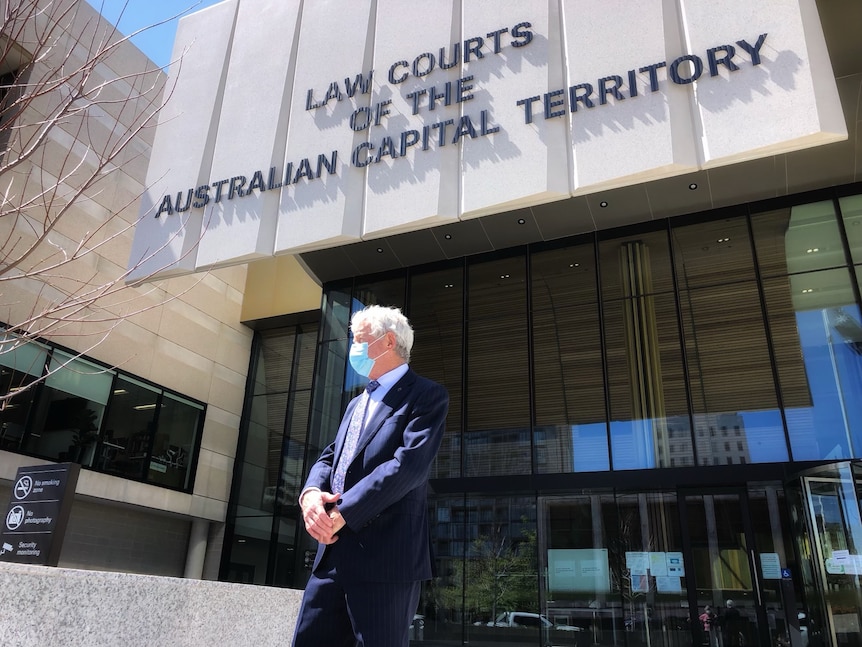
[{"x": 23, "y": 487}]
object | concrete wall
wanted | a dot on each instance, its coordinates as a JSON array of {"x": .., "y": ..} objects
[{"x": 57, "y": 606}]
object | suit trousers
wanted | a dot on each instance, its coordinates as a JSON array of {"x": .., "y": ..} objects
[{"x": 339, "y": 613}]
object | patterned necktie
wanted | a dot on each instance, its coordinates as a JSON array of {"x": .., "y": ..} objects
[{"x": 352, "y": 438}]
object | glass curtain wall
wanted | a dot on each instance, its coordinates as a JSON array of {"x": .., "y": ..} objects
[
  {"x": 262, "y": 545},
  {"x": 726, "y": 342}
]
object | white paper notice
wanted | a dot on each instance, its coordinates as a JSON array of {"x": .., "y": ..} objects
[
  {"x": 637, "y": 562},
  {"x": 658, "y": 564},
  {"x": 770, "y": 566},
  {"x": 675, "y": 565}
]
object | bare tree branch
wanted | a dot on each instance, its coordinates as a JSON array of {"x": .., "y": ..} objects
[{"x": 68, "y": 125}]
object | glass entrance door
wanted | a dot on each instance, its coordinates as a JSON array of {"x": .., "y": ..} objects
[
  {"x": 724, "y": 586},
  {"x": 640, "y": 569},
  {"x": 744, "y": 568},
  {"x": 831, "y": 543}
]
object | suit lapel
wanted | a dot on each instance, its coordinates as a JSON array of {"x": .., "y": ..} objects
[{"x": 391, "y": 401}]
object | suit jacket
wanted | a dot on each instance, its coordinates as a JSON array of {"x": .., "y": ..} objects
[{"x": 386, "y": 536}]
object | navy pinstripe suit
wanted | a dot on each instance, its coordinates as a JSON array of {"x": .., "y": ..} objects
[{"x": 372, "y": 573}]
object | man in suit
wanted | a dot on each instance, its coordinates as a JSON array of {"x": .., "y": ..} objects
[{"x": 365, "y": 500}]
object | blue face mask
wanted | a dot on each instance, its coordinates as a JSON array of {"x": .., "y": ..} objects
[{"x": 359, "y": 359}]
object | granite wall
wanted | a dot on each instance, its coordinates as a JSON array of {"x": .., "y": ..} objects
[{"x": 58, "y": 606}]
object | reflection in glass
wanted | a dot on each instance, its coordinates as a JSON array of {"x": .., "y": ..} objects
[
  {"x": 570, "y": 434},
  {"x": 436, "y": 313},
  {"x": 21, "y": 363},
  {"x": 69, "y": 414},
  {"x": 129, "y": 426},
  {"x": 273, "y": 456},
  {"x": 813, "y": 314},
  {"x": 801, "y": 238},
  {"x": 835, "y": 514},
  {"x": 178, "y": 424},
  {"x": 441, "y": 605},
  {"x": 499, "y": 570},
  {"x": 769, "y": 519},
  {"x": 335, "y": 312},
  {"x": 736, "y": 415},
  {"x": 582, "y": 585},
  {"x": 497, "y": 438},
  {"x": 712, "y": 253},
  {"x": 722, "y": 572},
  {"x": 621, "y": 256},
  {"x": 851, "y": 212},
  {"x": 650, "y": 569},
  {"x": 649, "y": 407},
  {"x": 249, "y": 550}
]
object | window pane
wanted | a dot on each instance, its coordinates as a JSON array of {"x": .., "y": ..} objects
[
  {"x": 571, "y": 431},
  {"x": 498, "y": 416},
  {"x": 388, "y": 292},
  {"x": 80, "y": 377},
  {"x": 437, "y": 316},
  {"x": 286, "y": 563},
  {"x": 582, "y": 578},
  {"x": 712, "y": 253},
  {"x": 637, "y": 264},
  {"x": 329, "y": 398},
  {"x": 128, "y": 433},
  {"x": 27, "y": 358},
  {"x": 298, "y": 415},
  {"x": 500, "y": 570},
  {"x": 335, "y": 312},
  {"x": 851, "y": 212},
  {"x": 655, "y": 599},
  {"x": 649, "y": 407},
  {"x": 15, "y": 411},
  {"x": 814, "y": 317},
  {"x": 69, "y": 412},
  {"x": 259, "y": 489},
  {"x": 249, "y": 551},
  {"x": 174, "y": 445},
  {"x": 442, "y": 604},
  {"x": 563, "y": 278},
  {"x": 733, "y": 391},
  {"x": 798, "y": 239}
]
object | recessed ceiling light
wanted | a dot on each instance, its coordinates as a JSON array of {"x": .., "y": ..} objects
[
  {"x": 692, "y": 186},
  {"x": 379, "y": 250},
  {"x": 521, "y": 221},
  {"x": 504, "y": 276},
  {"x": 448, "y": 236},
  {"x": 723, "y": 240},
  {"x": 812, "y": 250},
  {"x": 603, "y": 204},
  {"x": 575, "y": 265}
]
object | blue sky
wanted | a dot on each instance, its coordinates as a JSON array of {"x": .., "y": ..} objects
[{"x": 158, "y": 42}]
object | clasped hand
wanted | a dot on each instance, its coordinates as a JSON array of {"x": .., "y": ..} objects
[{"x": 320, "y": 522}]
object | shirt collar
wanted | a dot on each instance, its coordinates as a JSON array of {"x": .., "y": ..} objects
[{"x": 388, "y": 380}]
